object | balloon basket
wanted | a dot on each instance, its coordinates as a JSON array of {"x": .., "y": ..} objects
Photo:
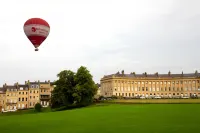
[{"x": 36, "y": 49}]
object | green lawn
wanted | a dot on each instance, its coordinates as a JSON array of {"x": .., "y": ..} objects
[{"x": 109, "y": 118}]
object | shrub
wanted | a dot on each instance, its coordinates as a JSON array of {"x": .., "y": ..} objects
[{"x": 38, "y": 107}]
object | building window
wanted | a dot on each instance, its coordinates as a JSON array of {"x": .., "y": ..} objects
[
  {"x": 30, "y": 104},
  {"x": 146, "y": 88},
  {"x": 22, "y": 99},
  {"x": 116, "y": 94},
  {"x": 19, "y": 99},
  {"x": 30, "y": 97},
  {"x": 142, "y": 88},
  {"x": 30, "y": 91},
  {"x": 23, "y": 93},
  {"x": 26, "y": 99},
  {"x": 19, "y": 92}
]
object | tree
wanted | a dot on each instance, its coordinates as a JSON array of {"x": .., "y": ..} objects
[
  {"x": 62, "y": 93},
  {"x": 38, "y": 107},
  {"x": 85, "y": 87},
  {"x": 77, "y": 89}
]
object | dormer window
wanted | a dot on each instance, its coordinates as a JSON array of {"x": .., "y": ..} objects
[
  {"x": 32, "y": 86},
  {"x": 37, "y": 86}
]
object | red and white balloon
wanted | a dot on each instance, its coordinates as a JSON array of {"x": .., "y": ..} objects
[{"x": 36, "y": 30}]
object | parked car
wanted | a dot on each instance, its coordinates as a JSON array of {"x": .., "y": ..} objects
[
  {"x": 142, "y": 97},
  {"x": 157, "y": 97}
]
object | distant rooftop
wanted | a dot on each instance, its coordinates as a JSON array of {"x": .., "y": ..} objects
[{"x": 156, "y": 75}]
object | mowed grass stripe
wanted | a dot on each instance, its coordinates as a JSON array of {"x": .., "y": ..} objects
[
  {"x": 154, "y": 101},
  {"x": 139, "y": 118}
]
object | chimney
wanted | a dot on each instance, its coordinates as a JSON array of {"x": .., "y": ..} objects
[
  {"x": 5, "y": 85},
  {"x": 196, "y": 72},
  {"x": 49, "y": 81},
  {"x": 156, "y": 73},
  {"x": 133, "y": 73},
  {"x": 145, "y": 73},
  {"x": 123, "y": 72},
  {"x": 38, "y": 81},
  {"x": 16, "y": 84},
  {"x": 169, "y": 73}
]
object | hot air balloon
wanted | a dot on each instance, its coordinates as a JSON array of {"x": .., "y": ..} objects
[{"x": 36, "y": 30}]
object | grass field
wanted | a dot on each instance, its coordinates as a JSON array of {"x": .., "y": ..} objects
[{"x": 109, "y": 118}]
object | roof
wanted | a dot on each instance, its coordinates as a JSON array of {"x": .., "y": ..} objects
[
  {"x": 98, "y": 85},
  {"x": 2, "y": 90},
  {"x": 145, "y": 75},
  {"x": 33, "y": 83},
  {"x": 23, "y": 86},
  {"x": 52, "y": 83},
  {"x": 46, "y": 82}
]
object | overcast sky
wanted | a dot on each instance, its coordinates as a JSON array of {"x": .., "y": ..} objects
[{"x": 106, "y": 36}]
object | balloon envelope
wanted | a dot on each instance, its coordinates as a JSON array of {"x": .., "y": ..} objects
[{"x": 36, "y": 30}]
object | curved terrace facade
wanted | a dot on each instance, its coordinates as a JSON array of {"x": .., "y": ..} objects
[{"x": 151, "y": 85}]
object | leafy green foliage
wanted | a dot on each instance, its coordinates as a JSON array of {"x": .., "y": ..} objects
[
  {"x": 38, "y": 107},
  {"x": 73, "y": 89}
]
